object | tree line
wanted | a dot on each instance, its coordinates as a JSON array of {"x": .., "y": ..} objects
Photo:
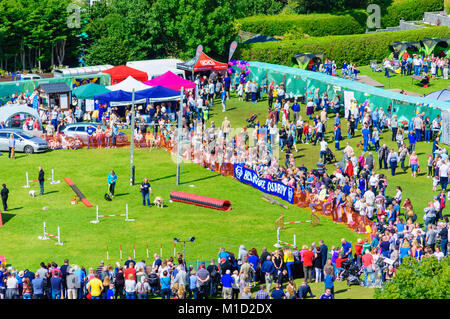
[{"x": 35, "y": 35}]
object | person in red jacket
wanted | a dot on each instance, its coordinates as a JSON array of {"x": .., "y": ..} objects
[
  {"x": 130, "y": 270},
  {"x": 308, "y": 257},
  {"x": 339, "y": 269},
  {"x": 358, "y": 251}
]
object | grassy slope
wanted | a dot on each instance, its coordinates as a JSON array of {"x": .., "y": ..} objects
[{"x": 404, "y": 82}]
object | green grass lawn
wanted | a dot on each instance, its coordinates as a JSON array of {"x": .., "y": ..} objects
[{"x": 397, "y": 81}]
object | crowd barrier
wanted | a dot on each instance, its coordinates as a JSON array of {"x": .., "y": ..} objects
[{"x": 338, "y": 214}]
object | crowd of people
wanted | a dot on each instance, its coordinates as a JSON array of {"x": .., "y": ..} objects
[
  {"x": 416, "y": 64},
  {"x": 354, "y": 184}
]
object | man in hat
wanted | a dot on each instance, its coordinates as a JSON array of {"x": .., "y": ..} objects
[{"x": 227, "y": 282}]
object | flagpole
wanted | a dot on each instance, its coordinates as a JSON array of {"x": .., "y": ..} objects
[
  {"x": 180, "y": 117},
  {"x": 132, "y": 142}
]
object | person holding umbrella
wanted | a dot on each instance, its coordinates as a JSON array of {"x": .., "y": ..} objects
[{"x": 112, "y": 178}]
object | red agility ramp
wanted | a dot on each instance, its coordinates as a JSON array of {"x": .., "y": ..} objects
[
  {"x": 199, "y": 200},
  {"x": 78, "y": 192}
]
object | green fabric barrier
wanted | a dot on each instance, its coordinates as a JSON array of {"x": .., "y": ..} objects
[{"x": 7, "y": 89}]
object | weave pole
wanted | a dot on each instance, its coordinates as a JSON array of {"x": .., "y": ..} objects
[
  {"x": 147, "y": 250},
  {"x": 107, "y": 253},
  {"x": 174, "y": 250},
  {"x": 134, "y": 252},
  {"x": 120, "y": 252},
  {"x": 160, "y": 251}
]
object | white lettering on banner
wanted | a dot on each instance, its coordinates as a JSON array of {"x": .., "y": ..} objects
[
  {"x": 267, "y": 186},
  {"x": 206, "y": 62}
]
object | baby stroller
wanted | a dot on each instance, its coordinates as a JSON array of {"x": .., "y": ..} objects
[
  {"x": 329, "y": 156},
  {"x": 352, "y": 273},
  {"x": 251, "y": 120}
]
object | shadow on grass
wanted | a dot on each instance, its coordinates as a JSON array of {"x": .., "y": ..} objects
[
  {"x": 165, "y": 177},
  {"x": 123, "y": 194},
  {"x": 15, "y": 208},
  {"x": 200, "y": 179},
  {"x": 6, "y": 217},
  {"x": 51, "y": 192}
]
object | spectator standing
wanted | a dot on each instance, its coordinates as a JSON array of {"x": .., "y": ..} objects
[
  {"x": 12, "y": 146},
  {"x": 214, "y": 275},
  {"x": 38, "y": 286},
  {"x": 202, "y": 282},
  {"x": 71, "y": 284},
  {"x": 41, "y": 179},
  {"x": 4, "y": 194},
  {"x": 227, "y": 281},
  {"x": 308, "y": 257},
  {"x": 165, "y": 285},
  {"x": 56, "y": 285},
  {"x": 130, "y": 286},
  {"x": 95, "y": 287}
]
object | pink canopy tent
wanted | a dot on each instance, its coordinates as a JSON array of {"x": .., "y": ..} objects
[{"x": 171, "y": 81}]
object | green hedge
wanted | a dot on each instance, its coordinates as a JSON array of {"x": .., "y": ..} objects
[
  {"x": 409, "y": 10},
  {"x": 296, "y": 25},
  {"x": 359, "y": 48},
  {"x": 447, "y": 6}
]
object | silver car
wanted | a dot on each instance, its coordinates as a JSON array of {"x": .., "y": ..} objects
[
  {"x": 78, "y": 130},
  {"x": 25, "y": 142}
]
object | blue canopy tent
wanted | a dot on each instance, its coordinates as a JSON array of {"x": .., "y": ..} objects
[
  {"x": 441, "y": 95},
  {"x": 158, "y": 94},
  {"x": 114, "y": 96}
]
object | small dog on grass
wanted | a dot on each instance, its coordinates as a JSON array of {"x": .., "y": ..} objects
[
  {"x": 32, "y": 193},
  {"x": 159, "y": 202}
]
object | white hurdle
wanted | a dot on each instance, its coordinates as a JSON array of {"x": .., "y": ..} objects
[
  {"x": 47, "y": 179},
  {"x": 48, "y": 236},
  {"x": 97, "y": 219},
  {"x": 280, "y": 243}
]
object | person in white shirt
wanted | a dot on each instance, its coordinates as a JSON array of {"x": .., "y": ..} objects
[
  {"x": 443, "y": 175},
  {"x": 323, "y": 149},
  {"x": 369, "y": 197}
]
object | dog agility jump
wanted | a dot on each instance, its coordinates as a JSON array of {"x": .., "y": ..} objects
[
  {"x": 97, "y": 219},
  {"x": 29, "y": 181},
  {"x": 279, "y": 222},
  {"x": 48, "y": 236},
  {"x": 280, "y": 243}
]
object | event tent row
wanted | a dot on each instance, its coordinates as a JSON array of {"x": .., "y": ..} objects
[{"x": 298, "y": 82}]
